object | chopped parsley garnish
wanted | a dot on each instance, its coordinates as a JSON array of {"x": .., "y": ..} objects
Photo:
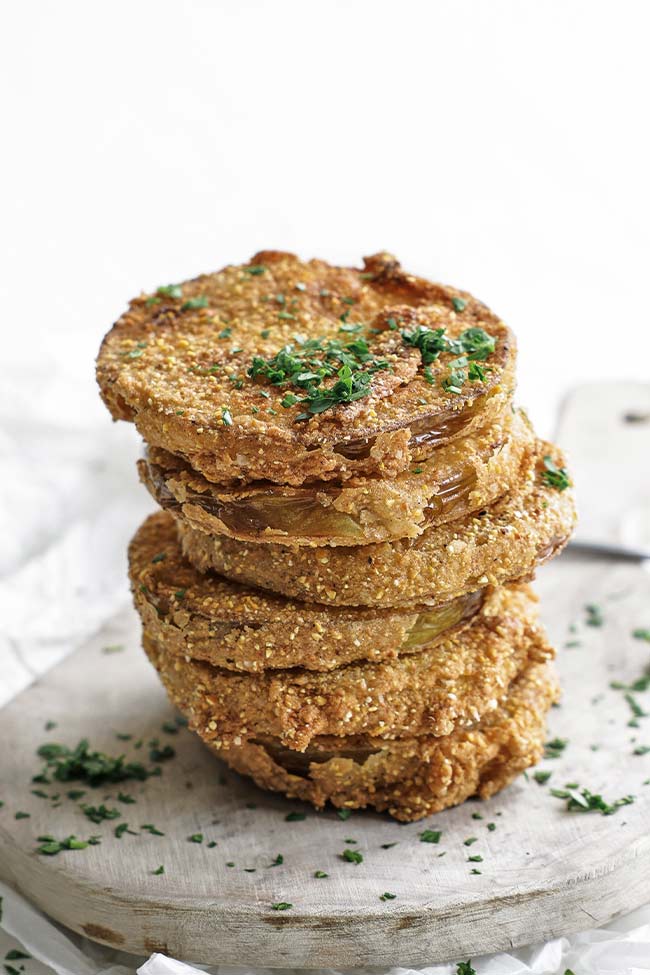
[
  {"x": 192, "y": 303},
  {"x": 150, "y": 828},
  {"x": 295, "y": 817},
  {"x": 465, "y": 968},
  {"x": 352, "y": 856},
  {"x": 542, "y": 777},
  {"x": 387, "y": 897},
  {"x": 344, "y": 813},
  {"x": 430, "y": 836},
  {"x": 121, "y": 829},
  {"x": 472, "y": 346},
  {"x": 15, "y": 955},
  {"x": 556, "y": 477},
  {"x": 170, "y": 291},
  {"x": 51, "y": 846},
  {"x": 555, "y": 747},
  {"x": 113, "y": 648},
  {"x": 159, "y": 870},
  {"x": 255, "y": 269},
  {"x": 476, "y": 858},
  {"x": 279, "y": 860},
  {"x": 470, "y": 840},
  {"x": 640, "y": 684},
  {"x": 97, "y": 814},
  {"x": 459, "y": 304},
  {"x": 594, "y": 615},
  {"x": 307, "y": 364},
  {"x": 641, "y": 634},
  {"x": 158, "y": 754},
  {"x": 320, "y": 874},
  {"x": 22, "y": 815},
  {"x": 80, "y": 763},
  {"x": 281, "y": 906},
  {"x": 635, "y": 708},
  {"x": 195, "y": 838},
  {"x": 586, "y": 801}
]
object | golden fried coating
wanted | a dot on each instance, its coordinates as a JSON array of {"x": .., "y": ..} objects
[
  {"x": 427, "y": 693},
  {"x": 502, "y": 542},
  {"x": 177, "y": 364},
  {"x": 209, "y": 618},
  {"x": 460, "y": 478},
  {"x": 411, "y": 777}
]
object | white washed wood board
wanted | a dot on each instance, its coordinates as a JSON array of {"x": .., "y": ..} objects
[{"x": 545, "y": 871}]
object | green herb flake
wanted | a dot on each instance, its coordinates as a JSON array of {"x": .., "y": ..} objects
[
  {"x": 295, "y": 817},
  {"x": 22, "y": 815},
  {"x": 15, "y": 955},
  {"x": 465, "y": 968},
  {"x": 554, "y": 476},
  {"x": 352, "y": 856},
  {"x": 194, "y": 303},
  {"x": 555, "y": 747},
  {"x": 98, "y": 814},
  {"x": 459, "y": 304},
  {"x": 344, "y": 813},
  {"x": 255, "y": 270},
  {"x": 121, "y": 829},
  {"x": 320, "y": 874},
  {"x": 157, "y": 754},
  {"x": 150, "y": 828},
  {"x": 51, "y": 847},
  {"x": 586, "y": 801},
  {"x": 641, "y": 634},
  {"x": 430, "y": 836},
  {"x": 83, "y": 764},
  {"x": 281, "y": 906},
  {"x": 279, "y": 860},
  {"x": 158, "y": 871},
  {"x": 226, "y": 417},
  {"x": 542, "y": 776},
  {"x": 170, "y": 291},
  {"x": 386, "y": 896},
  {"x": 195, "y": 838}
]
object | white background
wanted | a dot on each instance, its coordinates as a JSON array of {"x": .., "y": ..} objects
[{"x": 502, "y": 146}]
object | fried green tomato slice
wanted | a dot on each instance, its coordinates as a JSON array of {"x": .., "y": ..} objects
[
  {"x": 462, "y": 477},
  {"x": 431, "y": 692},
  {"x": 293, "y": 371},
  {"x": 504, "y": 541},
  {"x": 207, "y": 617},
  {"x": 410, "y": 778}
]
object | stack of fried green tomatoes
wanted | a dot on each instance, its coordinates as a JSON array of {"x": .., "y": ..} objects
[{"x": 335, "y": 591}]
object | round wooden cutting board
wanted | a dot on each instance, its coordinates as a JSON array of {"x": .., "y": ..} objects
[{"x": 544, "y": 871}]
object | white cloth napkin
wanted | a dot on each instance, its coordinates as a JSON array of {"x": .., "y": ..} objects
[{"x": 69, "y": 503}]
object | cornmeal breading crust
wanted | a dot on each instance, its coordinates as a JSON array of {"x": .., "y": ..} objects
[
  {"x": 431, "y": 692},
  {"x": 460, "y": 478},
  {"x": 502, "y": 542},
  {"x": 232, "y": 626},
  {"x": 174, "y": 368},
  {"x": 411, "y": 777}
]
